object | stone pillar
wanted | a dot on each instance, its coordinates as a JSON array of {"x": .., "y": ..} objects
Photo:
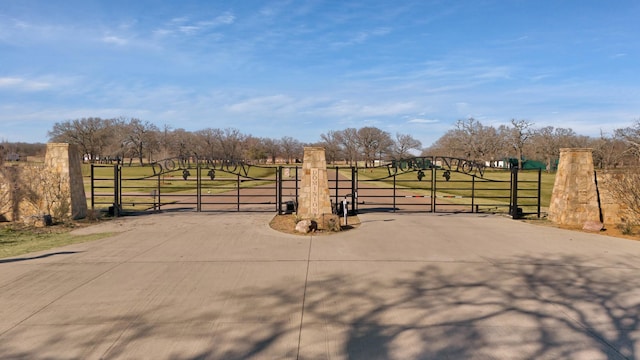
[
  {"x": 314, "y": 200},
  {"x": 64, "y": 159},
  {"x": 574, "y": 200}
]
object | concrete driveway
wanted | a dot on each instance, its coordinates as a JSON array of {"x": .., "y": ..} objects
[{"x": 409, "y": 286}]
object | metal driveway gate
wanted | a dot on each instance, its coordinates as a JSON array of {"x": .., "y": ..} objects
[
  {"x": 447, "y": 184},
  {"x": 184, "y": 184},
  {"x": 421, "y": 184}
]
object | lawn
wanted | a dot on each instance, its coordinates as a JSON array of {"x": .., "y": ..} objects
[{"x": 16, "y": 241}]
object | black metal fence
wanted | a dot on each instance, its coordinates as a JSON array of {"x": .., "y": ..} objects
[
  {"x": 123, "y": 190},
  {"x": 413, "y": 186},
  {"x": 438, "y": 189}
]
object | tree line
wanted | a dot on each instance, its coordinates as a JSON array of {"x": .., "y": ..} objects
[
  {"x": 521, "y": 140},
  {"x": 118, "y": 139},
  {"x": 141, "y": 141}
]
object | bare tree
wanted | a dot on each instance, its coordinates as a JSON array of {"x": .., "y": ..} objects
[
  {"x": 373, "y": 142},
  {"x": 231, "y": 142},
  {"x": 254, "y": 149},
  {"x": 446, "y": 145},
  {"x": 208, "y": 143},
  {"x": 546, "y": 143},
  {"x": 348, "y": 139},
  {"x": 183, "y": 143},
  {"x": 291, "y": 148},
  {"x": 493, "y": 144},
  {"x": 472, "y": 140},
  {"x": 385, "y": 147},
  {"x": 116, "y": 148},
  {"x": 272, "y": 148},
  {"x": 518, "y": 136},
  {"x": 331, "y": 143},
  {"x": 92, "y": 135},
  {"x": 141, "y": 139},
  {"x": 631, "y": 136},
  {"x": 164, "y": 138},
  {"x": 610, "y": 152},
  {"x": 624, "y": 188},
  {"x": 403, "y": 144}
]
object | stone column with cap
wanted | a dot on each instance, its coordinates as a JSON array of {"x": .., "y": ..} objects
[
  {"x": 574, "y": 200},
  {"x": 314, "y": 200},
  {"x": 64, "y": 159}
]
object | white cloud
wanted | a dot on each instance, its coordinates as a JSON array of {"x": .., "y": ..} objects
[
  {"x": 21, "y": 84},
  {"x": 10, "y": 82},
  {"x": 381, "y": 31},
  {"x": 188, "y": 29},
  {"x": 462, "y": 107},
  {"x": 261, "y": 104},
  {"x": 351, "y": 109},
  {"x": 224, "y": 19},
  {"x": 162, "y": 32},
  {"x": 363, "y": 36},
  {"x": 497, "y": 72},
  {"x": 179, "y": 20},
  {"x": 423, "y": 121},
  {"x": 110, "y": 39},
  {"x": 186, "y": 26}
]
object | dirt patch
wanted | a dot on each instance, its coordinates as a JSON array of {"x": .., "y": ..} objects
[
  {"x": 631, "y": 233},
  {"x": 287, "y": 224}
]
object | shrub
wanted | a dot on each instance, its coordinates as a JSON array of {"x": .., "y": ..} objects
[{"x": 624, "y": 188}]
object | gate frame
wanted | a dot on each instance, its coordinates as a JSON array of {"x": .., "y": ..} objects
[
  {"x": 228, "y": 166},
  {"x": 395, "y": 168}
]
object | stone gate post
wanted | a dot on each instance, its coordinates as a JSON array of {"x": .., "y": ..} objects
[
  {"x": 574, "y": 200},
  {"x": 314, "y": 199},
  {"x": 64, "y": 159}
]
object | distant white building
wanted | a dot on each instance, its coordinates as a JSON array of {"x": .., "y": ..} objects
[{"x": 497, "y": 164}]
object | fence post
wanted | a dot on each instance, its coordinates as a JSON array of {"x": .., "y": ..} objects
[
  {"x": 92, "y": 190},
  {"x": 238, "y": 196},
  {"x": 394, "y": 191},
  {"x": 120, "y": 187},
  {"x": 473, "y": 193},
  {"x": 279, "y": 190},
  {"x": 297, "y": 188},
  {"x": 198, "y": 187},
  {"x": 539, "y": 192},
  {"x": 337, "y": 187},
  {"x": 156, "y": 195},
  {"x": 514, "y": 193},
  {"x": 433, "y": 185},
  {"x": 159, "y": 187},
  {"x": 116, "y": 190},
  {"x": 354, "y": 190}
]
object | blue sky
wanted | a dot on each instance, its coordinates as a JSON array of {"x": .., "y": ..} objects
[{"x": 302, "y": 68}]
